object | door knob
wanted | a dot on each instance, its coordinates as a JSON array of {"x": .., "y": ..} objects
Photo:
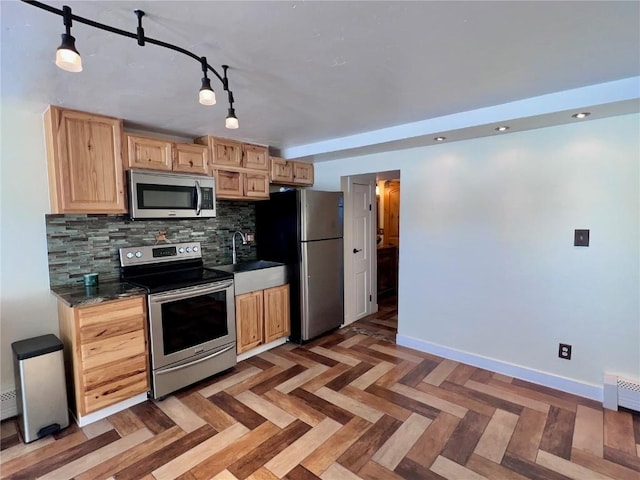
[{"x": 355, "y": 250}]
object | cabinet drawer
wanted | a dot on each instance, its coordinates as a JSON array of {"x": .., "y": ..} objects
[
  {"x": 111, "y": 312},
  {"x": 102, "y": 352},
  {"x": 115, "y": 392},
  {"x": 118, "y": 372},
  {"x": 102, "y": 330}
]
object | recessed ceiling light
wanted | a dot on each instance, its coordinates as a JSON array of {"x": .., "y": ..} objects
[
  {"x": 581, "y": 115},
  {"x": 503, "y": 128},
  {"x": 440, "y": 139}
]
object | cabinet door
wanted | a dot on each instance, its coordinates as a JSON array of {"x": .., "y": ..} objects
[
  {"x": 190, "y": 158},
  {"x": 225, "y": 152},
  {"x": 249, "y": 320},
  {"x": 256, "y": 185},
  {"x": 111, "y": 353},
  {"x": 228, "y": 184},
  {"x": 145, "y": 152},
  {"x": 85, "y": 162},
  {"x": 276, "y": 313},
  {"x": 302, "y": 173},
  {"x": 392, "y": 212},
  {"x": 255, "y": 157},
  {"x": 281, "y": 170}
]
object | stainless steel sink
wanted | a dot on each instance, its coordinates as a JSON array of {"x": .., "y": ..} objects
[{"x": 255, "y": 275}]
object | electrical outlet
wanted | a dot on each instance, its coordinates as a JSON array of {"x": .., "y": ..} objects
[
  {"x": 581, "y": 238},
  {"x": 564, "y": 351}
]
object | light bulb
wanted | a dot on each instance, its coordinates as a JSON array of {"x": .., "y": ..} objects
[
  {"x": 206, "y": 95},
  {"x": 231, "y": 121},
  {"x": 67, "y": 57}
]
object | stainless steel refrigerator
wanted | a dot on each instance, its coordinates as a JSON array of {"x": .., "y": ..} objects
[{"x": 303, "y": 228}]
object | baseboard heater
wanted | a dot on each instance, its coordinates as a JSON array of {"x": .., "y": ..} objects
[
  {"x": 621, "y": 392},
  {"x": 8, "y": 405}
]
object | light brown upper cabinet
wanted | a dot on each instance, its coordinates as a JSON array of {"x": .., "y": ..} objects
[
  {"x": 255, "y": 157},
  {"x": 146, "y": 152},
  {"x": 159, "y": 154},
  {"x": 84, "y": 161},
  {"x": 302, "y": 173},
  {"x": 290, "y": 172},
  {"x": 241, "y": 169},
  {"x": 190, "y": 158},
  {"x": 227, "y": 153},
  {"x": 224, "y": 153}
]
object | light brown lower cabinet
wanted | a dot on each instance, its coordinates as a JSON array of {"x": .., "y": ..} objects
[
  {"x": 105, "y": 349},
  {"x": 262, "y": 317}
]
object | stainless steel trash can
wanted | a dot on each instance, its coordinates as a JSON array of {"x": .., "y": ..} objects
[{"x": 41, "y": 392}]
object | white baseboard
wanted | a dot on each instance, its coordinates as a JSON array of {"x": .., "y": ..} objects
[
  {"x": 105, "y": 412},
  {"x": 587, "y": 390},
  {"x": 261, "y": 348}
]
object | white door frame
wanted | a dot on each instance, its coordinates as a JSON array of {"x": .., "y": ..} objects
[{"x": 349, "y": 298}]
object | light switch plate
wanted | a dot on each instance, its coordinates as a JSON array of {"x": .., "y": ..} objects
[{"x": 581, "y": 238}]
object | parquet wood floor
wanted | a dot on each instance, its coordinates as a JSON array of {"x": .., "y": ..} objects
[{"x": 350, "y": 405}]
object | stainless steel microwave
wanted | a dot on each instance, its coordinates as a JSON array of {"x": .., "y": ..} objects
[{"x": 170, "y": 195}]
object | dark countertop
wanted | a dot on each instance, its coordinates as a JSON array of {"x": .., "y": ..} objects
[{"x": 79, "y": 295}]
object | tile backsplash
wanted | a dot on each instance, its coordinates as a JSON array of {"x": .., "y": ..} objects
[{"x": 80, "y": 244}]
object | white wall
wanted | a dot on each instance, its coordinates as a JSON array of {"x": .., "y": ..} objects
[
  {"x": 27, "y": 308},
  {"x": 487, "y": 262}
]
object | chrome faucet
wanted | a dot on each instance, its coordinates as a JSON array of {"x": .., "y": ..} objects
[{"x": 233, "y": 244}]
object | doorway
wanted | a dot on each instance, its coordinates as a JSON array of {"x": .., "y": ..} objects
[
  {"x": 388, "y": 245},
  {"x": 371, "y": 247}
]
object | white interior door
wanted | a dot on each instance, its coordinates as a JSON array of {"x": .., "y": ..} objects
[{"x": 359, "y": 238}]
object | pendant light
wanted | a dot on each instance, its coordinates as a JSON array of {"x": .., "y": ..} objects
[
  {"x": 67, "y": 56},
  {"x": 206, "y": 95},
  {"x": 231, "y": 121}
]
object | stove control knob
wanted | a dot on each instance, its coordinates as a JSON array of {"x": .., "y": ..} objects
[
  {"x": 188, "y": 249},
  {"x": 195, "y": 249},
  {"x": 181, "y": 250},
  {"x": 130, "y": 255},
  {"x": 138, "y": 254}
]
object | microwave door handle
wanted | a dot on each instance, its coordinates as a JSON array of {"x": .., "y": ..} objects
[{"x": 199, "y": 200}]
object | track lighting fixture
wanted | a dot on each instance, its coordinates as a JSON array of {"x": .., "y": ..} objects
[{"x": 68, "y": 58}]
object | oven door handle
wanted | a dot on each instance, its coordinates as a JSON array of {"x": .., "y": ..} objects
[
  {"x": 189, "y": 292},
  {"x": 200, "y": 360}
]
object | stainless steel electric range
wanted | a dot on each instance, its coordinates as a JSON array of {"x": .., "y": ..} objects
[{"x": 191, "y": 313}]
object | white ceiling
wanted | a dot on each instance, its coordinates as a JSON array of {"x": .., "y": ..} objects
[{"x": 311, "y": 78}]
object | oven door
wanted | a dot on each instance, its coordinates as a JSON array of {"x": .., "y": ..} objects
[{"x": 190, "y": 321}]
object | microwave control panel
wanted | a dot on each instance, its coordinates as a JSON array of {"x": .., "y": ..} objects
[{"x": 207, "y": 198}]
